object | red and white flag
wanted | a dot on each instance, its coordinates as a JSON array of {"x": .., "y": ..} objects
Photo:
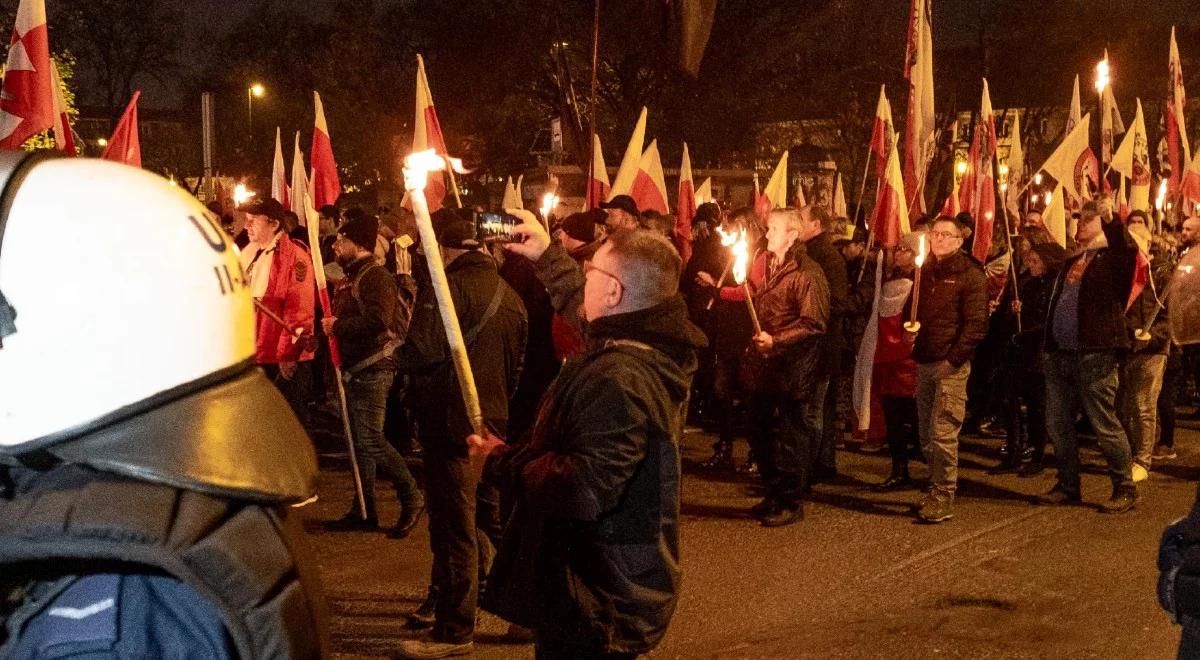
[
  {"x": 977, "y": 193},
  {"x": 64, "y": 137},
  {"x": 628, "y": 169},
  {"x": 598, "y": 185},
  {"x": 1178, "y": 148},
  {"x": 882, "y": 133},
  {"x": 427, "y": 134},
  {"x": 889, "y": 220},
  {"x": 1189, "y": 190},
  {"x": 279, "y": 184},
  {"x": 27, "y": 97},
  {"x": 124, "y": 145},
  {"x": 685, "y": 207},
  {"x": 301, "y": 188},
  {"x": 919, "y": 128},
  {"x": 1141, "y": 270},
  {"x": 649, "y": 188},
  {"x": 326, "y": 186},
  {"x": 1132, "y": 160}
]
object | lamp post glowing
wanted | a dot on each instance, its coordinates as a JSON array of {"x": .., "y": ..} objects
[{"x": 254, "y": 91}]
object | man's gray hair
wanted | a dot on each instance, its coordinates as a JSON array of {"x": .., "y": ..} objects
[{"x": 649, "y": 264}]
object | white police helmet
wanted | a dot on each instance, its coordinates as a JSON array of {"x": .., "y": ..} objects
[{"x": 128, "y": 335}]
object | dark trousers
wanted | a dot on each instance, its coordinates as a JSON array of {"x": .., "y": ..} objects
[
  {"x": 366, "y": 398},
  {"x": 464, "y": 526},
  {"x": 826, "y": 457},
  {"x": 779, "y": 443},
  {"x": 1087, "y": 382},
  {"x": 900, "y": 417},
  {"x": 296, "y": 390},
  {"x": 725, "y": 390},
  {"x": 1167, "y": 399},
  {"x": 1024, "y": 409},
  {"x": 556, "y": 644}
]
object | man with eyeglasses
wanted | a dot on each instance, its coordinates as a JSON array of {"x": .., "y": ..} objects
[{"x": 952, "y": 309}]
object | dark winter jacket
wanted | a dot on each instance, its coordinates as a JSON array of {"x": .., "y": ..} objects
[
  {"x": 1145, "y": 314},
  {"x": 361, "y": 327},
  {"x": 793, "y": 307},
  {"x": 496, "y": 354},
  {"x": 1103, "y": 292},
  {"x": 952, "y": 309},
  {"x": 833, "y": 266},
  {"x": 592, "y": 547}
]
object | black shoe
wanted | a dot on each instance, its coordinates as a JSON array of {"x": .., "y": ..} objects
[
  {"x": 782, "y": 515},
  {"x": 1121, "y": 501},
  {"x": 893, "y": 483},
  {"x": 351, "y": 522},
  {"x": 409, "y": 516},
  {"x": 1006, "y": 467},
  {"x": 423, "y": 616},
  {"x": 767, "y": 505},
  {"x": 722, "y": 458},
  {"x": 1033, "y": 468},
  {"x": 1059, "y": 495}
]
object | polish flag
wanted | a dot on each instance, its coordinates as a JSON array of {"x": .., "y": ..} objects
[
  {"x": 27, "y": 97},
  {"x": 889, "y": 220},
  {"x": 628, "y": 170},
  {"x": 1123, "y": 208},
  {"x": 326, "y": 186},
  {"x": 279, "y": 183},
  {"x": 1141, "y": 270},
  {"x": 882, "y": 134},
  {"x": 801, "y": 201},
  {"x": 64, "y": 139},
  {"x": 598, "y": 186},
  {"x": 838, "y": 205},
  {"x": 649, "y": 189},
  {"x": 1132, "y": 160},
  {"x": 685, "y": 207},
  {"x": 977, "y": 194},
  {"x": 1189, "y": 190},
  {"x": 427, "y": 134},
  {"x": 776, "y": 190},
  {"x": 1178, "y": 148},
  {"x": 124, "y": 145},
  {"x": 301, "y": 188},
  {"x": 919, "y": 130}
]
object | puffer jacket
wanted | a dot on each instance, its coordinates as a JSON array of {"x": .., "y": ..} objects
[
  {"x": 952, "y": 309},
  {"x": 592, "y": 546},
  {"x": 793, "y": 307}
]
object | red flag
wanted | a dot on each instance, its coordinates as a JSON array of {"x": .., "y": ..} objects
[
  {"x": 977, "y": 191},
  {"x": 598, "y": 186},
  {"x": 124, "y": 145},
  {"x": 889, "y": 221},
  {"x": 1178, "y": 148},
  {"x": 919, "y": 128},
  {"x": 64, "y": 139},
  {"x": 649, "y": 188},
  {"x": 1141, "y": 270},
  {"x": 27, "y": 97},
  {"x": 325, "y": 183},
  {"x": 427, "y": 134},
  {"x": 685, "y": 207},
  {"x": 882, "y": 133}
]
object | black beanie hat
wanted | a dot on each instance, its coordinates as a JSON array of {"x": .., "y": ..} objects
[
  {"x": 361, "y": 231},
  {"x": 455, "y": 228}
]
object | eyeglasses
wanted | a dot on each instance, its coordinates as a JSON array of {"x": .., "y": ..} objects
[
  {"x": 588, "y": 267},
  {"x": 944, "y": 234}
]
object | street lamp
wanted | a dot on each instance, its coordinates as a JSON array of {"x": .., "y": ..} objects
[
  {"x": 255, "y": 90},
  {"x": 102, "y": 142}
]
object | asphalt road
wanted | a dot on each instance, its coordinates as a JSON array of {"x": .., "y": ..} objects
[{"x": 858, "y": 578}]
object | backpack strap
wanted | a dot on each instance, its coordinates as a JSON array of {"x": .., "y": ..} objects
[
  {"x": 471, "y": 335},
  {"x": 393, "y": 340}
]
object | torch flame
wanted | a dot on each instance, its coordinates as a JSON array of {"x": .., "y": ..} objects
[
  {"x": 920, "y": 258},
  {"x": 1162, "y": 195},
  {"x": 741, "y": 256},
  {"x": 727, "y": 237},
  {"x": 241, "y": 194},
  {"x": 417, "y": 165},
  {"x": 549, "y": 202}
]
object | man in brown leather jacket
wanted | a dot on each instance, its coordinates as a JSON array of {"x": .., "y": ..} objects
[{"x": 781, "y": 366}]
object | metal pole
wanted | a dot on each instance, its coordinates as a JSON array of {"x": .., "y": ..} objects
[
  {"x": 593, "y": 203},
  {"x": 249, "y": 112},
  {"x": 206, "y": 139}
]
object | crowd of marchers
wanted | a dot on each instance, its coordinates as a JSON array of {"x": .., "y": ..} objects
[{"x": 593, "y": 338}]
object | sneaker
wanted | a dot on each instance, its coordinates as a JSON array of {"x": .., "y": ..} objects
[
  {"x": 428, "y": 648},
  {"x": 1140, "y": 473},
  {"x": 352, "y": 522},
  {"x": 782, "y": 515},
  {"x": 409, "y": 516},
  {"x": 1059, "y": 495},
  {"x": 1164, "y": 453},
  {"x": 1120, "y": 502},
  {"x": 893, "y": 483},
  {"x": 937, "y": 507},
  {"x": 1032, "y": 469}
]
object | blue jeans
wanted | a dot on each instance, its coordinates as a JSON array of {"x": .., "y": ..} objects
[
  {"x": 1088, "y": 382},
  {"x": 366, "y": 397}
]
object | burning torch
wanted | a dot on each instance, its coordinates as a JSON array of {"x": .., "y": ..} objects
[
  {"x": 728, "y": 238},
  {"x": 416, "y": 166},
  {"x": 913, "y": 325},
  {"x": 741, "y": 262}
]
